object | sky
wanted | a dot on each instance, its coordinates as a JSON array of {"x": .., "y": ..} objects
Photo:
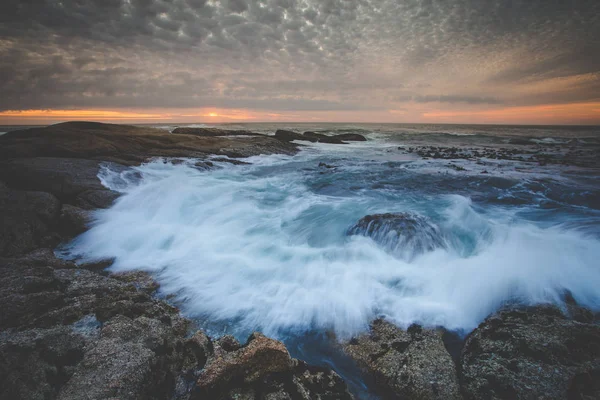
[{"x": 159, "y": 61}]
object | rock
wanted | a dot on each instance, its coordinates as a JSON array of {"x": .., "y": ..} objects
[
  {"x": 213, "y": 132},
  {"x": 27, "y": 218},
  {"x": 259, "y": 357},
  {"x": 142, "y": 280},
  {"x": 36, "y": 363},
  {"x": 323, "y": 165},
  {"x": 319, "y": 137},
  {"x": 132, "y": 359},
  {"x": 262, "y": 369},
  {"x": 533, "y": 352},
  {"x": 411, "y": 364},
  {"x": 74, "y": 220},
  {"x": 65, "y": 178},
  {"x": 288, "y": 136},
  {"x": 230, "y": 161},
  {"x": 93, "y": 199},
  {"x": 403, "y": 234},
  {"x": 129, "y": 145},
  {"x": 351, "y": 137}
]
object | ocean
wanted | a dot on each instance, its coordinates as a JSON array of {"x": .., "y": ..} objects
[{"x": 268, "y": 245}]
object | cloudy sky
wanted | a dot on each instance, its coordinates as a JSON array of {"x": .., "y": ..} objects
[{"x": 464, "y": 61}]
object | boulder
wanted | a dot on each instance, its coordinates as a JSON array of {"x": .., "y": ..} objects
[
  {"x": 213, "y": 132},
  {"x": 534, "y": 352},
  {"x": 410, "y": 364},
  {"x": 321, "y": 138},
  {"x": 350, "y": 137},
  {"x": 259, "y": 357},
  {"x": 93, "y": 199},
  {"x": 288, "y": 136},
  {"x": 74, "y": 220},
  {"x": 261, "y": 369},
  {"x": 405, "y": 235},
  {"x": 27, "y": 218}
]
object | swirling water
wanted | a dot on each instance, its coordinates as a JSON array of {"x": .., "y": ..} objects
[{"x": 265, "y": 246}]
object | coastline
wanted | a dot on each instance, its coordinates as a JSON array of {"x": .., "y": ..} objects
[{"x": 107, "y": 335}]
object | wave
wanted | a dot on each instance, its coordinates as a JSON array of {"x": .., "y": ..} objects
[{"x": 257, "y": 247}]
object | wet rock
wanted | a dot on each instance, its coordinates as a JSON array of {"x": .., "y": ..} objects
[
  {"x": 261, "y": 369},
  {"x": 259, "y": 357},
  {"x": 530, "y": 353},
  {"x": 411, "y": 364},
  {"x": 323, "y": 165},
  {"x": 288, "y": 136},
  {"x": 27, "y": 218},
  {"x": 213, "y": 132},
  {"x": 142, "y": 280},
  {"x": 321, "y": 138},
  {"x": 350, "y": 137},
  {"x": 74, "y": 220},
  {"x": 93, "y": 199},
  {"x": 403, "y": 234},
  {"x": 65, "y": 178}
]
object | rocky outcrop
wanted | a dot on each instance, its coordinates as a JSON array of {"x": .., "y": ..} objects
[
  {"x": 261, "y": 369},
  {"x": 289, "y": 136},
  {"x": 321, "y": 138},
  {"x": 315, "y": 137},
  {"x": 411, "y": 364},
  {"x": 350, "y": 137},
  {"x": 27, "y": 218},
  {"x": 533, "y": 353},
  {"x": 403, "y": 234},
  {"x": 65, "y": 178},
  {"x": 92, "y": 199},
  {"x": 213, "y": 132},
  {"x": 73, "y": 220},
  {"x": 129, "y": 145}
]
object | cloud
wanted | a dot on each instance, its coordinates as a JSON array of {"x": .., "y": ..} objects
[{"x": 284, "y": 55}]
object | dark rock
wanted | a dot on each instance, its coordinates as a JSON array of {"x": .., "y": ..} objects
[
  {"x": 27, "y": 218},
  {"x": 65, "y": 178},
  {"x": 261, "y": 369},
  {"x": 412, "y": 364},
  {"x": 321, "y": 138},
  {"x": 129, "y": 145},
  {"x": 404, "y": 234},
  {"x": 529, "y": 353},
  {"x": 259, "y": 357},
  {"x": 520, "y": 141},
  {"x": 142, "y": 280},
  {"x": 34, "y": 364},
  {"x": 74, "y": 220},
  {"x": 288, "y": 136},
  {"x": 230, "y": 161},
  {"x": 350, "y": 137},
  {"x": 92, "y": 199},
  {"x": 323, "y": 165},
  {"x": 213, "y": 132},
  {"x": 132, "y": 359}
]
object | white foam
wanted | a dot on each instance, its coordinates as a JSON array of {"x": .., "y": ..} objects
[{"x": 233, "y": 245}]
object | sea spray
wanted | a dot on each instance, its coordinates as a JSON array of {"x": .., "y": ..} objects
[{"x": 265, "y": 245}]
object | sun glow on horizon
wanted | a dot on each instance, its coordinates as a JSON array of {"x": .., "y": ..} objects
[{"x": 575, "y": 113}]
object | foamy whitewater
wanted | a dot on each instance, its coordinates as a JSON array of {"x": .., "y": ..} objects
[{"x": 265, "y": 246}]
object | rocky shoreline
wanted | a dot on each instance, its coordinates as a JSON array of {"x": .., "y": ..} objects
[{"x": 71, "y": 331}]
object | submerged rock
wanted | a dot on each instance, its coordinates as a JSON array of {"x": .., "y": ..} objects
[
  {"x": 411, "y": 364},
  {"x": 531, "y": 353},
  {"x": 404, "y": 234}
]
